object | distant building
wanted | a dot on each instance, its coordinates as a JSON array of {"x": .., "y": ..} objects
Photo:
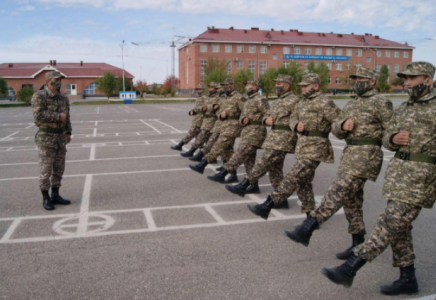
[
  {"x": 259, "y": 50},
  {"x": 79, "y": 77}
]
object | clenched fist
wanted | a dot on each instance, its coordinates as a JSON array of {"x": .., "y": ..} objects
[
  {"x": 402, "y": 138},
  {"x": 300, "y": 127},
  {"x": 348, "y": 125}
]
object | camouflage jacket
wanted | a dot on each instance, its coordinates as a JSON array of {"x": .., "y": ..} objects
[
  {"x": 411, "y": 181},
  {"x": 198, "y": 116},
  {"x": 371, "y": 113},
  {"x": 281, "y": 111},
  {"x": 233, "y": 107},
  {"x": 254, "y": 109},
  {"x": 46, "y": 107},
  {"x": 209, "y": 121},
  {"x": 317, "y": 114},
  {"x": 217, "y": 126}
]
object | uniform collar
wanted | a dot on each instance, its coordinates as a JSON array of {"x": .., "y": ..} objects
[
  {"x": 314, "y": 95},
  {"x": 50, "y": 93},
  {"x": 253, "y": 95},
  {"x": 286, "y": 94},
  {"x": 429, "y": 96}
]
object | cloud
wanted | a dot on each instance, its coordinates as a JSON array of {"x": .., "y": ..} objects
[{"x": 27, "y": 8}]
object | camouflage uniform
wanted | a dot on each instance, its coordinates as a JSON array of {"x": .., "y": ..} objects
[
  {"x": 197, "y": 119},
  {"x": 363, "y": 160},
  {"x": 317, "y": 113},
  {"x": 410, "y": 180},
  {"x": 51, "y": 138},
  {"x": 252, "y": 134},
  {"x": 230, "y": 128},
  {"x": 216, "y": 130}
]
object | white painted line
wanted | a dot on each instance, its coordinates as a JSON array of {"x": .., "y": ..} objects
[
  {"x": 169, "y": 126},
  {"x": 30, "y": 126},
  {"x": 429, "y": 297},
  {"x": 84, "y": 207},
  {"x": 150, "y": 221},
  {"x": 10, "y": 230},
  {"x": 214, "y": 214},
  {"x": 150, "y": 126},
  {"x": 92, "y": 154},
  {"x": 5, "y": 138},
  {"x": 94, "y": 134},
  {"x": 123, "y": 109},
  {"x": 98, "y": 109},
  {"x": 96, "y": 123}
]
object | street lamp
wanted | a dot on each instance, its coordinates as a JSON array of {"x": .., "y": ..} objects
[{"x": 122, "y": 59}]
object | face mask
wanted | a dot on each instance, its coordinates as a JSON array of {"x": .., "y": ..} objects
[
  {"x": 56, "y": 84},
  {"x": 249, "y": 91},
  {"x": 228, "y": 90},
  {"x": 222, "y": 92},
  {"x": 200, "y": 93},
  {"x": 362, "y": 87},
  {"x": 309, "y": 93},
  {"x": 211, "y": 93},
  {"x": 279, "y": 90},
  {"x": 417, "y": 91}
]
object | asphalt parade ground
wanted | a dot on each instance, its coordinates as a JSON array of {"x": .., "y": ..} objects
[{"x": 142, "y": 225}]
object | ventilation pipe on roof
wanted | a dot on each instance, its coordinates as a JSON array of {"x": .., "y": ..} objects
[
  {"x": 245, "y": 31},
  {"x": 231, "y": 28},
  {"x": 54, "y": 63},
  {"x": 254, "y": 28},
  {"x": 377, "y": 37},
  {"x": 51, "y": 63},
  {"x": 282, "y": 32},
  {"x": 81, "y": 63},
  {"x": 11, "y": 65}
]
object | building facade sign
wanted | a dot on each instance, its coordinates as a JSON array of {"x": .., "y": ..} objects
[{"x": 316, "y": 57}]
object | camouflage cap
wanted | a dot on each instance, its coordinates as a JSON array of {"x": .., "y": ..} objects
[
  {"x": 363, "y": 72},
  {"x": 418, "y": 68},
  {"x": 228, "y": 81},
  {"x": 310, "y": 78},
  {"x": 253, "y": 82},
  {"x": 284, "y": 78},
  {"x": 200, "y": 86},
  {"x": 53, "y": 74},
  {"x": 214, "y": 85}
]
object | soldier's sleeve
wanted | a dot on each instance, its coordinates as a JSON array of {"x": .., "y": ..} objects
[
  {"x": 294, "y": 119},
  {"x": 337, "y": 126},
  {"x": 386, "y": 111},
  {"x": 331, "y": 112},
  {"x": 264, "y": 106},
  {"x": 68, "y": 123},
  {"x": 392, "y": 129},
  {"x": 40, "y": 111},
  {"x": 266, "y": 115}
]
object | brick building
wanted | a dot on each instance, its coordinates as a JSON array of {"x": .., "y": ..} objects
[
  {"x": 79, "y": 77},
  {"x": 259, "y": 50}
]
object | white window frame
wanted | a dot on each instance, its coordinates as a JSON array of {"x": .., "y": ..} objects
[
  {"x": 338, "y": 52},
  {"x": 359, "y": 52},
  {"x": 262, "y": 67},
  {"x": 286, "y": 64},
  {"x": 396, "y": 68},
  {"x": 308, "y": 51},
  {"x": 252, "y": 66},
  {"x": 297, "y": 50},
  {"x": 228, "y": 48},
  {"x": 240, "y": 49},
  {"x": 349, "y": 52},
  {"x": 263, "y": 49},
  {"x": 337, "y": 80},
  {"x": 396, "y": 54},
  {"x": 203, "y": 63},
  {"x": 379, "y": 53},
  {"x": 405, "y": 54},
  {"x": 203, "y": 48},
  {"x": 339, "y": 66},
  {"x": 388, "y": 53},
  {"x": 286, "y": 50},
  {"x": 274, "y": 57},
  {"x": 240, "y": 65},
  {"x": 252, "y": 49},
  {"x": 215, "y": 48},
  {"x": 329, "y": 66},
  {"x": 328, "y": 51},
  {"x": 318, "y": 51}
]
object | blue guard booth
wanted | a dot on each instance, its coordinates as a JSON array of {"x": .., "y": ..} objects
[{"x": 128, "y": 97}]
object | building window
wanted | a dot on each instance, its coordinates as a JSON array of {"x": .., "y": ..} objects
[
  {"x": 378, "y": 67},
  {"x": 348, "y": 66},
  {"x": 203, "y": 48},
  {"x": 358, "y": 66},
  {"x": 406, "y": 54},
  {"x": 286, "y": 50},
  {"x": 215, "y": 48},
  {"x": 228, "y": 67},
  {"x": 308, "y": 51},
  {"x": 274, "y": 56},
  {"x": 328, "y": 51},
  {"x": 337, "y": 80},
  {"x": 202, "y": 69},
  {"x": 228, "y": 48},
  {"x": 329, "y": 66},
  {"x": 240, "y": 49},
  {"x": 286, "y": 64},
  {"x": 318, "y": 51},
  {"x": 263, "y": 49},
  {"x": 387, "y": 53},
  {"x": 329, "y": 80},
  {"x": 338, "y": 52},
  {"x": 349, "y": 52},
  {"x": 11, "y": 92},
  {"x": 368, "y": 59},
  {"x": 252, "y": 66},
  {"x": 359, "y": 52},
  {"x": 240, "y": 65},
  {"x": 396, "y": 68},
  {"x": 297, "y": 50},
  {"x": 262, "y": 67},
  {"x": 306, "y": 65},
  {"x": 339, "y": 66},
  {"x": 89, "y": 90},
  {"x": 397, "y": 54},
  {"x": 251, "y": 49}
]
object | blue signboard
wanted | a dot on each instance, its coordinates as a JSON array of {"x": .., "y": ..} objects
[{"x": 316, "y": 57}]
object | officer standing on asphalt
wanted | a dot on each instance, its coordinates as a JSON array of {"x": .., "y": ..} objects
[
  {"x": 51, "y": 112},
  {"x": 361, "y": 123},
  {"x": 312, "y": 120},
  {"x": 410, "y": 183},
  {"x": 197, "y": 118}
]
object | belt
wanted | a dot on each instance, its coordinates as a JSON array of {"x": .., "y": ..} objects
[
  {"x": 211, "y": 116},
  {"x": 360, "y": 142},
  {"x": 315, "y": 133},
  {"x": 416, "y": 157},
  {"x": 232, "y": 118},
  {"x": 254, "y": 123},
  {"x": 281, "y": 127},
  {"x": 52, "y": 130}
]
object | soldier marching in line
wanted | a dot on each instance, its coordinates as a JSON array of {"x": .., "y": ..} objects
[
  {"x": 362, "y": 123},
  {"x": 252, "y": 134},
  {"x": 197, "y": 118},
  {"x": 230, "y": 130},
  {"x": 312, "y": 120},
  {"x": 51, "y": 112},
  {"x": 409, "y": 186}
]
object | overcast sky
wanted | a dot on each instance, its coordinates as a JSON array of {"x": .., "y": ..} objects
[{"x": 93, "y": 30}]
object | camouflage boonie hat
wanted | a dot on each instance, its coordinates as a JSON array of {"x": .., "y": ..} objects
[
  {"x": 284, "y": 78},
  {"x": 53, "y": 74},
  {"x": 228, "y": 81},
  {"x": 214, "y": 85},
  {"x": 200, "y": 86},
  {"x": 363, "y": 72},
  {"x": 310, "y": 78},
  {"x": 253, "y": 82},
  {"x": 418, "y": 68}
]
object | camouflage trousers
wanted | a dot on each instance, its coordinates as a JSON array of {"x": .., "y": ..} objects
[
  {"x": 52, "y": 166},
  {"x": 347, "y": 192},
  {"x": 271, "y": 161},
  {"x": 223, "y": 146},
  {"x": 192, "y": 133},
  {"x": 393, "y": 227},
  {"x": 245, "y": 154},
  {"x": 201, "y": 139},
  {"x": 213, "y": 138},
  {"x": 300, "y": 176}
]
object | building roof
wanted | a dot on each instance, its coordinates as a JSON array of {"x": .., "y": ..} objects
[
  {"x": 69, "y": 70},
  {"x": 295, "y": 37}
]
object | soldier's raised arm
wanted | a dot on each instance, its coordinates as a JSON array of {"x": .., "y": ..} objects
[
  {"x": 295, "y": 118},
  {"x": 337, "y": 126},
  {"x": 392, "y": 129},
  {"x": 332, "y": 112}
]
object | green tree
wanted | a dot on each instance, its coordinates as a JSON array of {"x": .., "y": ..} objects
[
  {"x": 398, "y": 81},
  {"x": 107, "y": 84},
  {"x": 266, "y": 81},
  {"x": 213, "y": 64},
  {"x": 323, "y": 71},
  {"x": 383, "y": 83},
  {"x": 25, "y": 94},
  {"x": 3, "y": 87},
  {"x": 242, "y": 76},
  {"x": 216, "y": 75},
  {"x": 127, "y": 84},
  {"x": 345, "y": 79},
  {"x": 295, "y": 72}
]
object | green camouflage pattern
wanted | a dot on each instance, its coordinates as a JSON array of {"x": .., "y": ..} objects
[
  {"x": 233, "y": 107},
  {"x": 51, "y": 166},
  {"x": 284, "y": 78},
  {"x": 363, "y": 72},
  {"x": 209, "y": 102},
  {"x": 418, "y": 68},
  {"x": 245, "y": 154},
  {"x": 410, "y": 181},
  {"x": 198, "y": 115},
  {"x": 253, "y": 82},
  {"x": 202, "y": 138},
  {"x": 271, "y": 161},
  {"x": 53, "y": 74},
  {"x": 218, "y": 123},
  {"x": 192, "y": 133},
  {"x": 310, "y": 78},
  {"x": 317, "y": 113},
  {"x": 371, "y": 114},
  {"x": 210, "y": 142},
  {"x": 393, "y": 227},
  {"x": 223, "y": 147},
  {"x": 254, "y": 109},
  {"x": 228, "y": 81},
  {"x": 281, "y": 111}
]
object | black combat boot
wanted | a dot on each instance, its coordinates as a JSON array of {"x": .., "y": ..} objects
[
  {"x": 262, "y": 210},
  {"x": 232, "y": 178},
  {"x": 239, "y": 189},
  {"x": 219, "y": 177},
  {"x": 56, "y": 198},
  {"x": 357, "y": 240},
  {"x": 253, "y": 188},
  {"x": 407, "y": 284},
  {"x": 302, "y": 234},
  {"x": 197, "y": 157},
  {"x": 219, "y": 169},
  {"x": 298, "y": 225},
  {"x": 46, "y": 201},
  {"x": 178, "y": 146},
  {"x": 283, "y": 205},
  {"x": 199, "y": 167},
  {"x": 344, "y": 274},
  {"x": 189, "y": 153}
]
